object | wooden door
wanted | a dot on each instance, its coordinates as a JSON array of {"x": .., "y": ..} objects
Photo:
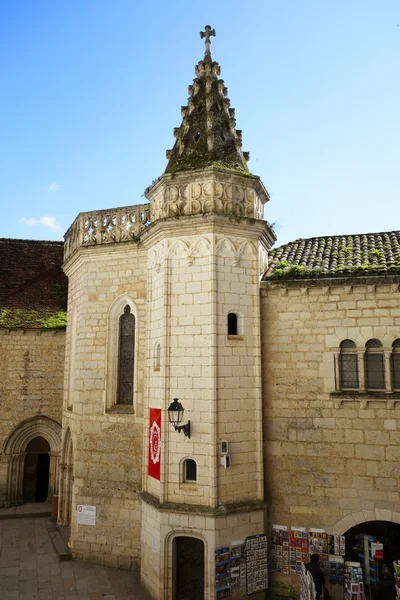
[{"x": 189, "y": 569}]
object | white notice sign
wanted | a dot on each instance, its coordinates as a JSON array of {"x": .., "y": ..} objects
[{"x": 86, "y": 515}]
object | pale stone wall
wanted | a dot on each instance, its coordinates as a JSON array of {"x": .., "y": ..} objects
[
  {"x": 31, "y": 381},
  {"x": 195, "y": 281},
  {"x": 159, "y": 528},
  {"x": 106, "y": 439},
  {"x": 331, "y": 461}
]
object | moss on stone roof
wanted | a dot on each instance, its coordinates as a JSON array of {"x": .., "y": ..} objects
[
  {"x": 26, "y": 318},
  {"x": 340, "y": 255},
  {"x": 33, "y": 287}
]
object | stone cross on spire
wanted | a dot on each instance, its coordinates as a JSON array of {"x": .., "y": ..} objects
[{"x": 207, "y": 34}]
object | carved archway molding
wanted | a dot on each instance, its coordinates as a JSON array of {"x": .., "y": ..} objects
[
  {"x": 66, "y": 480},
  {"x": 353, "y": 519},
  {"x": 168, "y": 565},
  {"x": 14, "y": 452}
]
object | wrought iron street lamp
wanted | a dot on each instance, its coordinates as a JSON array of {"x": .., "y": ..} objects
[{"x": 175, "y": 415}]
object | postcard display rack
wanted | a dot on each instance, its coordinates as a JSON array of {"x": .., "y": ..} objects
[
  {"x": 280, "y": 549},
  {"x": 230, "y": 569},
  {"x": 256, "y": 549},
  {"x": 298, "y": 549},
  {"x": 367, "y": 559},
  {"x": 353, "y": 581}
]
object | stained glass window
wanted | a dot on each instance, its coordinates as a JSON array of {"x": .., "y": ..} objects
[{"x": 126, "y": 357}]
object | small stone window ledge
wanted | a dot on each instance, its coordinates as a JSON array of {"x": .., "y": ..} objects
[
  {"x": 189, "y": 487},
  {"x": 236, "y": 338},
  {"x": 121, "y": 409},
  {"x": 364, "y": 397}
]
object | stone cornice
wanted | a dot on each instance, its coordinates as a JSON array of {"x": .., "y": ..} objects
[
  {"x": 197, "y": 509},
  {"x": 254, "y": 229},
  {"x": 331, "y": 281}
]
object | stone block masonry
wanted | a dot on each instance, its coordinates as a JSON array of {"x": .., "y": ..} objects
[{"x": 328, "y": 455}]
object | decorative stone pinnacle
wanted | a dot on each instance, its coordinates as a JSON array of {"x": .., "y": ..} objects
[
  {"x": 207, "y": 34},
  {"x": 207, "y": 135}
]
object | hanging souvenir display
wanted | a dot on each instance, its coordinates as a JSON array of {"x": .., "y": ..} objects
[
  {"x": 222, "y": 573},
  {"x": 318, "y": 544},
  {"x": 353, "y": 581},
  {"x": 280, "y": 549},
  {"x": 256, "y": 563},
  {"x": 367, "y": 560},
  {"x": 298, "y": 549},
  {"x": 336, "y": 570},
  {"x": 237, "y": 564}
]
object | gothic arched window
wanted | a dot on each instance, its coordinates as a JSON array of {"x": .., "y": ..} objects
[
  {"x": 374, "y": 365},
  {"x": 348, "y": 366},
  {"x": 395, "y": 365},
  {"x": 126, "y": 357}
]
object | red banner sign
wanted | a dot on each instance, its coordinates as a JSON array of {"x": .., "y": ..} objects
[{"x": 155, "y": 443}]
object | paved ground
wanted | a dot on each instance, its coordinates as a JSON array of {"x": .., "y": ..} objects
[
  {"x": 26, "y": 510},
  {"x": 30, "y": 569}
]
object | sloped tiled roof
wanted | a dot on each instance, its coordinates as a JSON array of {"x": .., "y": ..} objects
[
  {"x": 338, "y": 255},
  {"x": 33, "y": 287}
]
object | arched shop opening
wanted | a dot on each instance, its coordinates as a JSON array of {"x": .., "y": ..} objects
[{"x": 373, "y": 544}]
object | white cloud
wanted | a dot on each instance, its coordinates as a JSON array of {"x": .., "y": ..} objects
[
  {"x": 49, "y": 222},
  {"x": 54, "y": 187}
]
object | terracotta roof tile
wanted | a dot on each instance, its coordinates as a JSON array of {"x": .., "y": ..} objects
[{"x": 337, "y": 255}]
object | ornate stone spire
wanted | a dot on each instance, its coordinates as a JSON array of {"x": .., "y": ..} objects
[{"x": 207, "y": 135}]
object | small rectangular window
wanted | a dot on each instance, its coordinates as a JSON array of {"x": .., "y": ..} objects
[{"x": 232, "y": 324}]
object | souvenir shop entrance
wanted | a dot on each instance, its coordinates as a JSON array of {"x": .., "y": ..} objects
[
  {"x": 362, "y": 564},
  {"x": 374, "y": 545}
]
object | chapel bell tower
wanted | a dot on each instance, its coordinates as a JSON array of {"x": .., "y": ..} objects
[{"x": 207, "y": 248}]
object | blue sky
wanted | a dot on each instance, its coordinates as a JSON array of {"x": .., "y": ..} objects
[{"x": 91, "y": 92}]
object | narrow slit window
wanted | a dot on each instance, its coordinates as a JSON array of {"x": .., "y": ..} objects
[
  {"x": 395, "y": 365},
  {"x": 348, "y": 366},
  {"x": 126, "y": 357},
  {"x": 232, "y": 324},
  {"x": 374, "y": 365},
  {"x": 190, "y": 470},
  {"x": 157, "y": 357}
]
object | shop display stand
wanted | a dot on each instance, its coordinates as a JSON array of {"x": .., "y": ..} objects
[
  {"x": 396, "y": 564},
  {"x": 367, "y": 561},
  {"x": 353, "y": 581}
]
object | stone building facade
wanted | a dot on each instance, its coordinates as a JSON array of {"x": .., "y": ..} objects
[
  {"x": 286, "y": 362},
  {"x": 33, "y": 296}
]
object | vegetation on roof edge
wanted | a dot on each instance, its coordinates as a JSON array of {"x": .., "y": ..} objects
[
  {"x": 282, "y": 270},
  {"x": 32, "y": 319}
]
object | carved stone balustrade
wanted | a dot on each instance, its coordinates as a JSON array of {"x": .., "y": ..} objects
[
  {"x": 106, "y": 227},
  {"x": 209, "y": 190}
]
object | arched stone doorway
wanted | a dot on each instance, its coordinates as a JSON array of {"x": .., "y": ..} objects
[
  {"x": 35, "y": 487},
  {"x": 66, "y": 480},
  {"x": 385, "y": 532},
  {"x": 188, "y": 570},
  {"x": 15, "y": 452}
]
